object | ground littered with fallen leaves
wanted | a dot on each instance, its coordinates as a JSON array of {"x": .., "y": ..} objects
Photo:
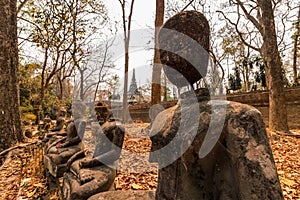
[{"x": 22, "y": 177}]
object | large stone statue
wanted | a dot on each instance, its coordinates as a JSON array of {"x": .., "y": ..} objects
[
  {"x": 62, "y": 149},
  {"x": 93, "y": 174},
  {"x": 209, "y": 149}
]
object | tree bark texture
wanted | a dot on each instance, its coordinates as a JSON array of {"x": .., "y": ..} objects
[
  {"x": 156, "y": 74},
  {"x": 10, "y": 123},
  {"x": 271, "y": 56}
]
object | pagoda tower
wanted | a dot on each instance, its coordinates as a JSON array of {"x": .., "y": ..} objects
[{"x": 133, "y": 86}]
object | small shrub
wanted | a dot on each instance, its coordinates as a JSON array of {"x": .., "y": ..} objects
[{"x": 29, "y": 117}]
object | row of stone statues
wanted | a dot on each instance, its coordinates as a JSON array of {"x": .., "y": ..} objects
[{"x": 83, "y": 175}]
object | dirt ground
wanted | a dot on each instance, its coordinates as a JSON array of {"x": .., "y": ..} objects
[{"x": 20, "y": 180}]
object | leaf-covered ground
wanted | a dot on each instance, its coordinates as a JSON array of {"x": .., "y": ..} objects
[
  {"x": 21, "y": 175},
  {"x": 20, "y": 178},
  {"x": 135, "y": 171},
  {"x": 286, "y": 152}
]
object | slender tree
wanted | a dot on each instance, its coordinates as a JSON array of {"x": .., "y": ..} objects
[
  {"x": 156, "y": 74},
  {"x": 126, "y": 29},
  {"x": 10, "y": 123},
  {"x": 103, "y": 68}
]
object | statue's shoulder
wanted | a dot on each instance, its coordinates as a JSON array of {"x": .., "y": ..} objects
[{"x": 243, "y": 110}]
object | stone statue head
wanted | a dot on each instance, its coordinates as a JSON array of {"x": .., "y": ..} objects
[
  {"x": 184, "y": 45},
  {"x": 78, "y": 109}
]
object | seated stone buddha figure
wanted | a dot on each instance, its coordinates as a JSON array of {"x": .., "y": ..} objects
[
  {"x": 89, "y": 175},
  {"x": 61, "y": 150}
]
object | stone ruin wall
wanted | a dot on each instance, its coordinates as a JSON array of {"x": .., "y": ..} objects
[
  {"x": 261, "y": 98},
  {"x": 254, "y": 98}
]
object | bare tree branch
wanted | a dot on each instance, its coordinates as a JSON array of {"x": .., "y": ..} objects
[
  {"x": 187, "y": 5},
  {"x": 22, "y": 4},
  {"x": 239, "y": 32},
  {"x": 250, "y": 17}
]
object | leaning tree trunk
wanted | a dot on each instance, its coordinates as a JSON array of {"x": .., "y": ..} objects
[
  {"x": 10, "y": 123},
  {"x": 277, "y": 111}
]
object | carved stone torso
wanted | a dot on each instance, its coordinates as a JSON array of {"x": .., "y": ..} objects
[{"x": 235, "y": 160}]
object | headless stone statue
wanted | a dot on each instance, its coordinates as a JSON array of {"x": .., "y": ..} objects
[
  {"x": 72, "y": 138},
  {"x": 91, "y": 175},
  {"x": 61, "y": 150},
  {"x": 208, "y": 149},
  {"x": 58, "y": 131},
  {"x": 103, "y": 113},
  {"x": 59, "y": 125},
  {"x": 44, "y": 128},
  {"x": 60, "y": 121}
]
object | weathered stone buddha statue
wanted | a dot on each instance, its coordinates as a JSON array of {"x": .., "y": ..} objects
[
  {"x": 56, "y": 132},
  {"x": 62, "y": 149},
  {"x": 44, "y": 127},
  {"x": 103, "y": 113},
  {"x": 60, "y": 121},
  {"x": 208, "y": 149},
  {"x": 89, "y": 175}
]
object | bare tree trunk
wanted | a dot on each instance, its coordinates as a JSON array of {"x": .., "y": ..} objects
[
  {"x": 270, "y": 53},
  {"x": 81, "y": 84},
  {"x": 247, "y": 79},
  {"x": 296, "y": 48},
  {"x": 125, "y": 96},
  {"x": 126, "y": 29},
  {"x": 10, "y": 123},
  {"x": 107, "y": 46},
  {"x": 156, "y": 73},
  {"x": 61, "y": 90},
  {"x": 165, "y": 89},
  {"x": 38, "y": 106},
  {"x": 243, "y": 72}
]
